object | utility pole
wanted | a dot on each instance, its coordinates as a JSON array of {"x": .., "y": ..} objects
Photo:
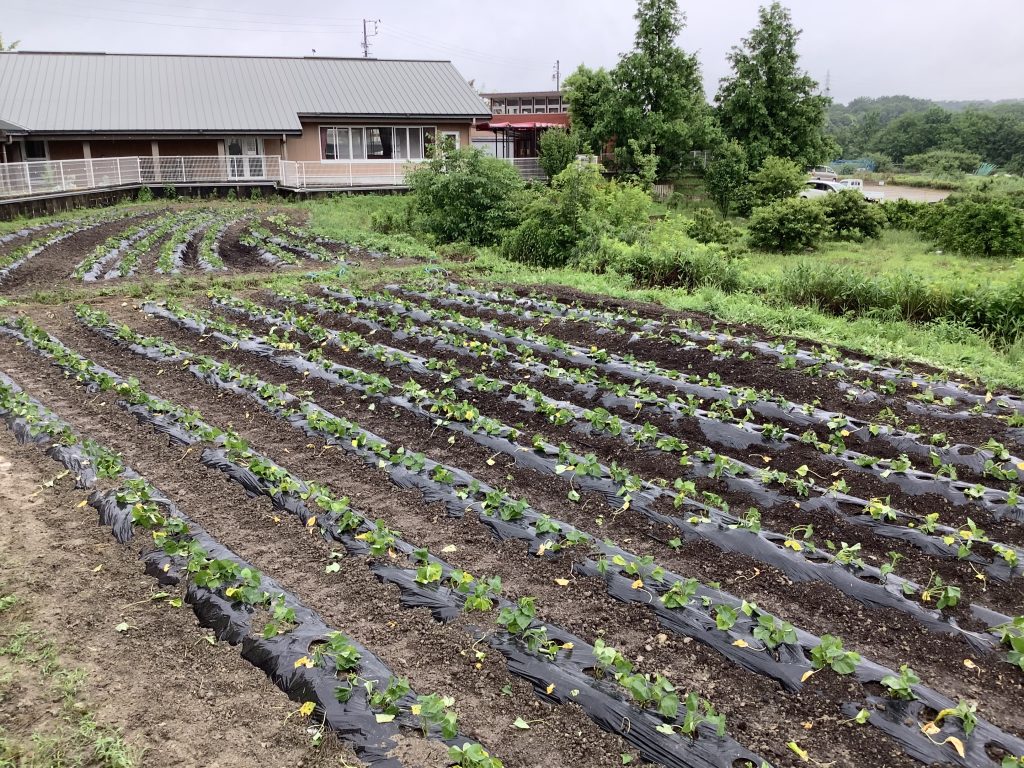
[
  {"x": 366, "y": 37},
  {"x": 557, "y": 77}
]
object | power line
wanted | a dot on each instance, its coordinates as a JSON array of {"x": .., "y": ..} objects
[
  {"x": 459, "y": 50},
  {"x": 275, "y": 30},
  {"x": 317, "y": 21}
]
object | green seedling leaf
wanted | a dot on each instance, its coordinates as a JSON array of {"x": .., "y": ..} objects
[
  {"x": 175, "y": 602},
  {"x": 122, "y": 627},
  {"x": 384, "y": 717},
  {"x": 332, "y": 568},
  {"x": 521, "y": 724}
]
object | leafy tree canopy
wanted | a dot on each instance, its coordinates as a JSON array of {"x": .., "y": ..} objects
[
  {"x": 768, "y": 103},
  {"x": 653, "y": 96}
]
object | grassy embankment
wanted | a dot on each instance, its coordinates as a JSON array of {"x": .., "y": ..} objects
[{"x": 896, "y": 255}]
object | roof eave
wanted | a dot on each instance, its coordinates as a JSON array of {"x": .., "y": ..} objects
[{"x": 391, "y": 116}]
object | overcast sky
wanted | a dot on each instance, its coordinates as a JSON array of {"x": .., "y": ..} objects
[{"x": 939, "y": 49}]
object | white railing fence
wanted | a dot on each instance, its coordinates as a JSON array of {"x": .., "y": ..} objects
[
  {"x": 50, "y": 176},
  {"x": 311, "y": 174},
  {"x": 528, "y": 167}
]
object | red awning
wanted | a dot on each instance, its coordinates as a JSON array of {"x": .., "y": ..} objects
[{"x": 533, "y": 125}]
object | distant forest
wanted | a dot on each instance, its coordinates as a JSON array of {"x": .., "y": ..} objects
[{"x": 891, "y": 129}]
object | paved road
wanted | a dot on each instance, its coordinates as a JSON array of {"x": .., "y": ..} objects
[{"x": 917, "y": 194}]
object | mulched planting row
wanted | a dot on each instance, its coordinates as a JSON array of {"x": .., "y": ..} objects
[{"x": 164, "y": 382}]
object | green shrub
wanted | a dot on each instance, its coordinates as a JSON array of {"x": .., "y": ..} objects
[
  {"x": 979, "y": 227},
  {"x": 558, "y": 148},
  {"x": 706, "y": 227},
  {"x": 851, "y": 217},
  {"x": 683, "y": 264},
  {"x": 960, "y": 310},
  {"x": 726, "y": 175},
  {"x": 777, "y": 179},
  {"x": 570, "y": 218},
  {"x": 462, "y": 195},
  {"x": 943, "y": 162},
  {"x": 144, "y": 195},
  {"x": 903, "y": 214},
  {"x": 788, "y": 225}
]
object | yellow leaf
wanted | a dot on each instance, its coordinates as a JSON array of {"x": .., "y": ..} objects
[
  {"x": 82, "y": 503},
  {"x": 98, "y": 568},
  {"x": 741, "y": 643},
  {"x": 807, "y": 674},
  {"x": 562, "y": 582},
  {"x": 930, "y": 729},
  {"x": 543, "y": 548},
  {"x": 637, "y": 584},
  {"x": 568, "y": 646},
  {"x": 808, "y": 725},
  {"x": 800, "y": 751},
  {"x": 956, "y": 743},
  {"x": 490, "y": 462},
  {"x": 550, "y": 688},
  {"x": 845, "y": 432},
  {"x": 1021, "y": 465},
  {"x": 307, "y": 709},
  {"x": 793, "y": 544},
  {"x": 970, "y": 664},
  {"x": 988, "y": 397},
  {"x": 766, "y": 459},
  {"x": 913, "y": 384},
  {"x": 305, "y": 661},
  {"x": 311, "y": 522},
  {"x": 416, "y": 709},
  {"x": 167, "y": 567}
]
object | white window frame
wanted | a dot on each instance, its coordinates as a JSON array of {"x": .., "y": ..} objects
[
  {"x": 456, "y": 135},
  {"x": 363, "y": 128}
]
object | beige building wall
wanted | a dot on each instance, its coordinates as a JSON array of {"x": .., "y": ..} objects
[{"x": 307, "y": 146}]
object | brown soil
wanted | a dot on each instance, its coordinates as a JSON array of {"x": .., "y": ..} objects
[
  {"x": 173, "y": 694},
  {"x": 53, "y": 547}
]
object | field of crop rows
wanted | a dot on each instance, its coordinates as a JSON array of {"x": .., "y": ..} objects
[
  {"x": 462, "y": 527},
  {"x": 143, "y": 241}
]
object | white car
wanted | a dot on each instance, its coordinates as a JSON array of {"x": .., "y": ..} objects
[{"x": 819, "y": 188}]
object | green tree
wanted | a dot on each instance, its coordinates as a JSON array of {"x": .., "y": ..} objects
[
  {"x": 726, "y": 175},
  {"x": 587, "y": 90},
  {"x": 654, "y": 95},
  {"x": 463, "y": 196},
  {"x": 558, "y": 148},
  {"x": 768, "y": 103},
  {"x": 659, "y": 94},
  {"x": 10, "y": 46},
  {"x": 776, "y": 179}
]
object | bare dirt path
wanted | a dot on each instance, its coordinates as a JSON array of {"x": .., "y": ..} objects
[{"x": 178, "y": 699}]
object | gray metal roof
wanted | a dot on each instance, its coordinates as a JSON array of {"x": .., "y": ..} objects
[
  {"x": 6, "y": 127},
  {"x": 132, "y": 93}
]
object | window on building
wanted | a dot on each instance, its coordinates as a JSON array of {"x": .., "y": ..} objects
[
  {"x": 380, "y": 143},
  {"x": 513, "y": 106},
  {"x": 375, "y": 143},
  {"x": 35, "y": 150},
  {"x": 498, "y": 106}
]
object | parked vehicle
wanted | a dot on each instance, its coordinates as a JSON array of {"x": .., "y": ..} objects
[
  {"x": 825, "y": 172},
  {"x": 858, "y": 184},
  {"x": 815, "y": 188}
]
